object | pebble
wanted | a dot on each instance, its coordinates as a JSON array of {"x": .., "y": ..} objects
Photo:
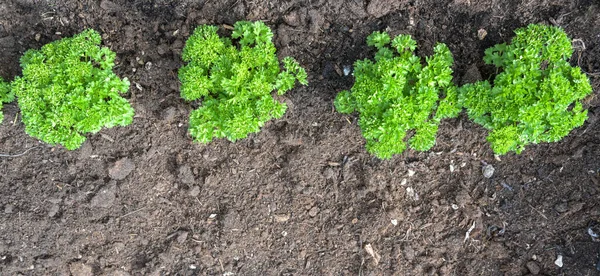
[
  {"x": 559, "y": 261},
  {"x": 313, "y": 211},
  {"x": 121, "y": 169},
  {"x": 488, "y": 171},
  {"x": 282, "y": 218},
  {"x": 533, "y": 267},
  {"x": 412, "y": 194},
  {"x": 594, "y": 232},
  {"x": 53, "y": 210},
  {"x": 481, "y": 33},
  {"x": 562, "y": 207},
  {"x": 8, "y": 208}
]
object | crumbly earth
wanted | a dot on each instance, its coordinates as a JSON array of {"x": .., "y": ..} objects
[{"x": 302, "y": 197}]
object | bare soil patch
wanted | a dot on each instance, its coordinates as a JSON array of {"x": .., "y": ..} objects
[{"x": 302, "y": 197}]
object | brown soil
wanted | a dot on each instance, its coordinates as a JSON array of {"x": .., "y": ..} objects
[{"x": 302, "y": 197}]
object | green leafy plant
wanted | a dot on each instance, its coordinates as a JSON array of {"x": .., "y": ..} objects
[
  {"x": 396, "y": 95},
  {"x": 234, "y": 83},
  {"x": 536, "y": 96},
  {"x": 68, "y": 89},
  {"x": 6, "y": 95}
]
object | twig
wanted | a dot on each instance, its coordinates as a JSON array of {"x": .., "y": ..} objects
[
  {"x": 538, "y": 211},
  {"x": 132, "y": 212},
  {"x": 17, "y": 155},
  {"x": 468, "y": 234}
]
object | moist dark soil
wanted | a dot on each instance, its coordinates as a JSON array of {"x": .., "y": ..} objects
[{"x": 302, "y": 197}]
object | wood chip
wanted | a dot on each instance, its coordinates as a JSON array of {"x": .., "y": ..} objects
[{"x": 373, "y": 253}]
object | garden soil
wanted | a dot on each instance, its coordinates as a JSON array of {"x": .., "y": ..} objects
[{"x": 302, "y": 197}]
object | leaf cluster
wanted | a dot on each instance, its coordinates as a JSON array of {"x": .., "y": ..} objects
[
  {"x": 6, "y": 96},
  {"x": 396, "y": 95},
  {"x": 536, "y": 96},
  {"x": 234, "y": 82},
  {"x": 68, "y": 89}
]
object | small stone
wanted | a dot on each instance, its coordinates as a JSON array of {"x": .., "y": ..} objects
[
  {"x": 562, "y": 207},
  {"x": 347, "y": 70},
  {"x": 195, "y": 191},
  {"x": 488, "y": 171},
  {"x": 412, "y": 194},
  {"x": 282, "y": 218},
  {"x": 594, "y": 231},
  {"x": 559, "y": 261},
  {"x": 411, "y": 172},
  {"x": 481, "y": 33},
  {"x": 454, "y": 206},
  {"x": 121, "y": 169},
  {"x": 53, "y": 210},
  {"x": 8, "y": 208},
  {"x": 533, "y": 267},
  {"x": 394, "y": 222},
  {"x": 313, "y": 211}
]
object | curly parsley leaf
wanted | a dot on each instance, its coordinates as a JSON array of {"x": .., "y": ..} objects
[
  {"x": 68, "y": 89},
  {"x": 235, "y": 83},
  {"x": 6, "y": 95},
  {"x": 396, "y": 94},
  {"x": 536, "y": 97}
]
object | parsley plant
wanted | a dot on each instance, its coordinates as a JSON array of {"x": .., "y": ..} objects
[
  {"x": 68, "y": 89},
  {"x": 6, "y": 96},
  {"x": 234, "y": 83},
  {"x": 535, "y": 98},
  {"x": 396, "y": 94}
]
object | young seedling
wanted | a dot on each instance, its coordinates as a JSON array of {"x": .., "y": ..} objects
[
  {"x": 6, "y": 96},
  {"x": 68, "y": 89},
  {"x": 234, "y": 83},
  {"x": 396, "y": 94},
  {"x": 535, "y": 97}
]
